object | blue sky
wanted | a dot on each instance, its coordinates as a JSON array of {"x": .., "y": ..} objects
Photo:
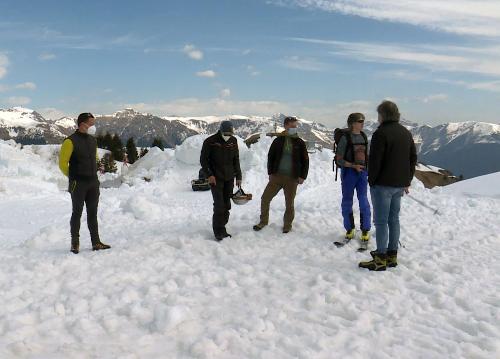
[{"x": 318, "y": 59}]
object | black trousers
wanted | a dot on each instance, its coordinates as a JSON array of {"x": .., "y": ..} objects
[
  {"x": 84, "y": 192},
  {"x": 221, "y": 193}
]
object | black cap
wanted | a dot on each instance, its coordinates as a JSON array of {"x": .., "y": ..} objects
[
  {"x": 84, "y": 117},
  {"x": 226, "y": 127}
]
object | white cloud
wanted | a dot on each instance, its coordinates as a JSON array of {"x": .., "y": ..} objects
[
  {"x": 208, "y": 73},
  {"x": 303, "y": 63},
  {"x": 252, "y": 70},
  {"x": 18, "y": 100},
  {"x": 435, "y": 98},
  {"x": 26, "y": 86},
  {"x": 479, "y": 60},
  {"x": 487, "y": 85},
  {"x": 479, "y": 17},
  {"x": 4, "y": 62},
  {"x": 46, "y": 56},
  {"x": 225, "y": 93},
  {"x": 193, "y": 52},
  {"x": 4, "y": 88}
]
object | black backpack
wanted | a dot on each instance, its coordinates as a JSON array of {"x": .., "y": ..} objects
[{"x": 337, "y": 135}]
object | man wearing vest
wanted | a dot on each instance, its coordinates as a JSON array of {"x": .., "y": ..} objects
[
  {"x": 78, "y": 161},
  {"x": 393, "y": 157},
  {"x": 351, "y": 156},
  {"x": 220, "y": 160},
  {"x": 287, "y": 166}
]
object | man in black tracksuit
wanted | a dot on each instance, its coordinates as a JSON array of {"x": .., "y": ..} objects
[
  {"x": 220, "y": 160},
  {"x": 78, "y": 161}
]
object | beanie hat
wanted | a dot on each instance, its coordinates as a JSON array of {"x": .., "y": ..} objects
[{"x": 226, "y": 126}]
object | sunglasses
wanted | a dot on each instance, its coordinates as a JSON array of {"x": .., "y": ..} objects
[{"x": 360, "y": 121}]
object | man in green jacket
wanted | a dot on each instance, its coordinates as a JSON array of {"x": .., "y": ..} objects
[{"x": 78, "y": 161}]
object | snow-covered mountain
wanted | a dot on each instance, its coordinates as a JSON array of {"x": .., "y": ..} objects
[
  {"x": 26, "y": 126},
  {"x": 469, "y": 148}
]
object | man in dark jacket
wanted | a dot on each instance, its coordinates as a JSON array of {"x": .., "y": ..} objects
[
  {"x": 287, "y": 166},
  {"x": 391, "y": 167},
  {"x": 78, "y": 160},
  {"x": 220, "y": 160}
]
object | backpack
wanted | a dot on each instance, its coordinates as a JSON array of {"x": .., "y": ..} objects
[{"x": 337, "y": 135}]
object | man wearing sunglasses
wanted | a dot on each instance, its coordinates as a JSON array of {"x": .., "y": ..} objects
[
  {"x": 78, "y": 161},
  {"x": 220, "y": 160},
  {"x": 352, "y": 157}
]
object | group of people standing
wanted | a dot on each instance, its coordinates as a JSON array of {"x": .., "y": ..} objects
[{"x": 387, "y": 166}]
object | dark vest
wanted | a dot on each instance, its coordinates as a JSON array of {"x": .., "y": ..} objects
[{"x": 83, "y": 162}]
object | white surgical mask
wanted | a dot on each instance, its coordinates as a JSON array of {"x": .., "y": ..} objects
[
  {"x": 91, "y": 130},
  {"x": 292, "y": 131},
  {"x": 226, "y": 138}
]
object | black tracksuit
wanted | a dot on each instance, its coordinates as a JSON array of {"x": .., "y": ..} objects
[
  {"x": 83, "y": 184},
  {"x": 221, "y": 159}
]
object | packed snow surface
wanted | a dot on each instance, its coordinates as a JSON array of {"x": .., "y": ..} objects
[{"x": 166, "y": 290}]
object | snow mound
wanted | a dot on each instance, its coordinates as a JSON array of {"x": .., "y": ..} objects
[
  {"x": 142, "y": 208},
  {"x": 482, "y": 186}
]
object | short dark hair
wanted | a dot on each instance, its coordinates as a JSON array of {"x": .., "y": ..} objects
[
  {"x": 84, "y": 117},
  {"x": 354, "y": 117},
  {"x": 389, "y": 111},
  {"x": 289, "y": 119}
]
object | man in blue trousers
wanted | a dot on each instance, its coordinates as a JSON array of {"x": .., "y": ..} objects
[{"x": 352, "y": 157}]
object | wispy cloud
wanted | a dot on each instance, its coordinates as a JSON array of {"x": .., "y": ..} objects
[
  {"x": 303, "y": 63},
  {"x": 4, "y": 62},
  {"x": 26, "y": 86},
  {"x": 479, "y": 60},
  {"x": 18, "y": 100},
  {"x": 479, "y": 17},
  {"x": 225, "y": 93},
  {"x": 252, "y": 70},
  {"x": 46, "y": 56},
  {"x": 192, "y": 52},
  {"x": 440, "y": 97},
  {"x": 208, "y": 73},
  {"x": 493, "y": 86}
]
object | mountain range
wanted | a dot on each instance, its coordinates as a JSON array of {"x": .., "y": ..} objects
[{"x": 464, "y": 148}]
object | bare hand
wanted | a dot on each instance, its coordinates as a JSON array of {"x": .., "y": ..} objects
[
  {"x": 358, "y": 168},
  {"x": 212, "y": 181},
  {"x": 300, "y": 180},
  {"x": 407, "y": 190},
  {"x": 238, "y": 183}
]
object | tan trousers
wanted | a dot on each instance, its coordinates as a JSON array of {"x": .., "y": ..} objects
[{"x": 276, "y": 183}]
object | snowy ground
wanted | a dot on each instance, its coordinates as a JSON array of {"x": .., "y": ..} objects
[{"x": 166, "y": 291}]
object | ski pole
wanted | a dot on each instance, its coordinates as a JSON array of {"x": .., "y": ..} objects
[{"x": 424, "y": 204}]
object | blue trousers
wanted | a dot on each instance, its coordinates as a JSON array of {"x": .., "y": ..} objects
[
  {"x": 386, "y": 205},
  {"x": 354, "y": 180}
]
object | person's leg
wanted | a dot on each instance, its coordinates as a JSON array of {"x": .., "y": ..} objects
[
  {"x": 272, "y": 189},
  {"x": 381, "y": 201},
  {"x": 77, "y": 190},
  {"x": 348, "y": 178},
  {"x": 227, "y": 193},
  {"x": 393, "y": 220},
  {"x": 219, "y": 216},
  {"x": 364, "y": 204},
  {"x": 290, "y": 189},
  {"x": 92, "y": 202}
]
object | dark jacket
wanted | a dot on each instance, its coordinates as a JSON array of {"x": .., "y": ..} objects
[
  {"x": 300, "y": 158},
  {"x": 393, "y": 156},
  {"x": 83, "y": 160},
  {"x": 220, "y": 158}
]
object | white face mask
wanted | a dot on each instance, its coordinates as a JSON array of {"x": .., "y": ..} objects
[
  {"x": 226, "y": 138},
  {"x": 292, "y": 131},
  {"x": 91, "y": 130}
]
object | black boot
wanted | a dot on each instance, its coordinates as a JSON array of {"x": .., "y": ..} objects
[
  {"x": 75, "y": 245},
  {"x": 392, "y": 258}
]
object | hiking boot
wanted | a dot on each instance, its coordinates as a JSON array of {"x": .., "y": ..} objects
[
  {"x": 100, "y": 246},
  {"x": 392, "y": 259},
  {"x": 378, "y": 263},
  {"x": 365, "y": 236},
  {"x": 225, "y": 235},
  {"x": 259, "y": 226},
  {"x": 287, "y": 229},
  {"x": 219, "y": 237},
  {"x": 75, "y": 245},
  {"x": 350, "y": 234}
]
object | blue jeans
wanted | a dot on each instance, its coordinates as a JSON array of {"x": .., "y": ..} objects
[
  {"x": 386, "y": 203},
  {"x": 354, "y": 180}
]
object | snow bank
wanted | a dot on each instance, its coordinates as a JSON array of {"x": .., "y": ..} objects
[{"x": 482, "y": 186}]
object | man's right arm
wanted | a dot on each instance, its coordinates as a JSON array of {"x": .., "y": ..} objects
[
  {"x": 204, "y": 159},
  {"x": 65, "y": 155},
  {"x": 271, "y": 155}
]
